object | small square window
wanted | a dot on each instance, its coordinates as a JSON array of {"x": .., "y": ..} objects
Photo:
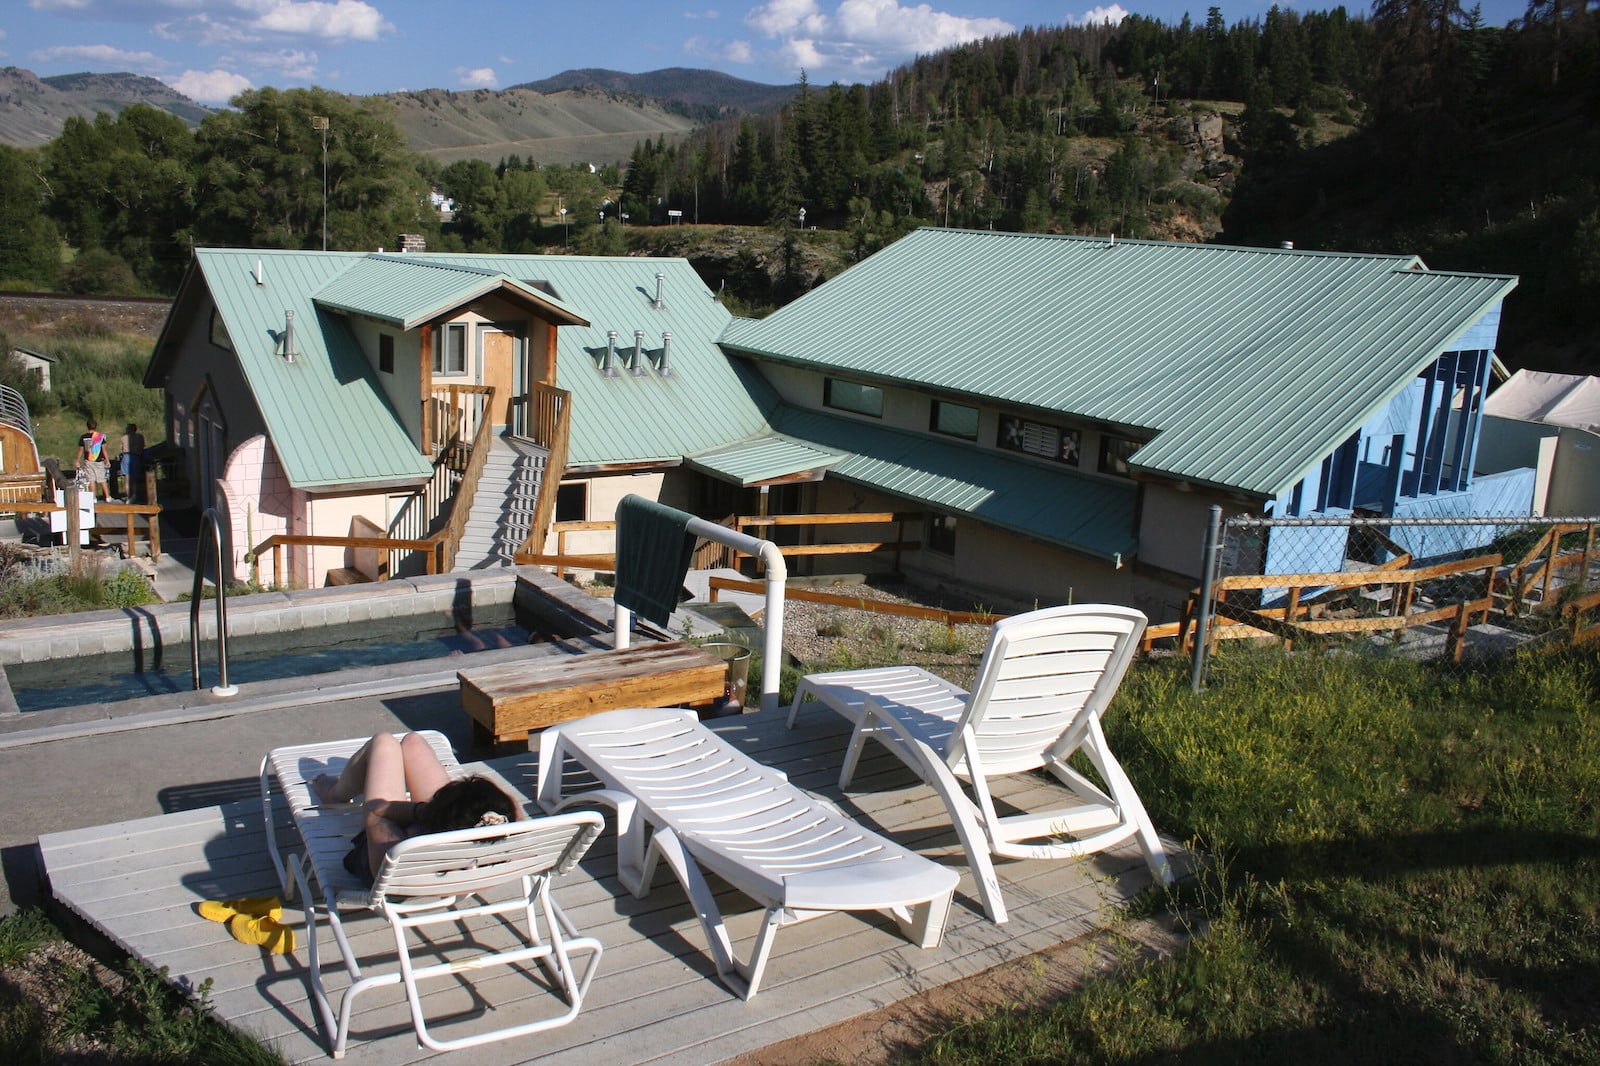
[
  {"x": 942, "y": 534},
  {"x": 1115, "y": 453},
  {"x": 386, "y": 353},
  {"x": 219, "y": 332},
  {"x": 954, "y": 420},
  {"x": 852, "y": 396},
  {"x": 572, "y": 502},
  {"x": 450, "y": 352}
]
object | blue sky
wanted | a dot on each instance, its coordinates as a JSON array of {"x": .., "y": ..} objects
[{"x": 211, "y": 49}]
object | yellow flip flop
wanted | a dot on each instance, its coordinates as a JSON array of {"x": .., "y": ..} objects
[
  {"x": 268, "y": 933},
  {"x": 254, "y": 906}
]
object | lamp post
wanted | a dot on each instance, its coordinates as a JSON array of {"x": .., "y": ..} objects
[
  {"x": 320, "y": 122},
  {"x": 802, "y": 218},
  {"x": 563, "y": 227}
]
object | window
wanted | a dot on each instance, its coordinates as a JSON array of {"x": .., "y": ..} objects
[
  {"x": 942, "y": 534},
  {"x": 852, "y": 396},
  {"x": 1115, "y": 453},
  {"x": 386, "y": 353},
  {"x": 450, "y": 354},
  {"x": 572, "y": 502},
  {"x": 219, "y": 332},
  {"x": 1017, "y": 434},
  {"x": 954, "y": 420}
]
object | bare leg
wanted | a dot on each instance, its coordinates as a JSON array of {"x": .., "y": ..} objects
[
  {"x": 423, "y": 771},
  {"x": 350, "y": 783},
  {"x": 385, "y": 784}
]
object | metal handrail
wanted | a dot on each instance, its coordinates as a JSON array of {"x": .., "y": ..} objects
[
  {"x": 212, "y": 521},
  {"x": 14, "y": 410}
]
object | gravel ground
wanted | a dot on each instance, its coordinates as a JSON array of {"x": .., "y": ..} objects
[{"x": 825, "y": 637}]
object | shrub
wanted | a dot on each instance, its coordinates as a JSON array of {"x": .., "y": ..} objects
[{"x": 98, "y": 272}]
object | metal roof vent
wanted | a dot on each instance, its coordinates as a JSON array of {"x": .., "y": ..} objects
[
  {"x": 261, "y": 278},
  {"x": 664, "y": 368},
  {"x": 1287, "y": 246},
  {"x": 288, "y": 336},
  {"x": 609, "y": 367},
  {"x": 660, "y": 302},
  {"x": 638, "y": 354}
]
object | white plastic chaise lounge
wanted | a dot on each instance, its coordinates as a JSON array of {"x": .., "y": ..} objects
[
  {"x": 1045, "y": 679},
  {"x": 434, "y": 879},
  {"x": 703, "y": 803}
]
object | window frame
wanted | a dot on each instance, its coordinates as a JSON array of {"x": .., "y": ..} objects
[
  {"x": 830, "y": 400},
  {"x": 1110, "y": 444},
  {"x": 940, "y": 534},
  {"x": 939, "y": 406},
  {"x": 386, "y": 353},
  {"x": 441, "y": 348}
]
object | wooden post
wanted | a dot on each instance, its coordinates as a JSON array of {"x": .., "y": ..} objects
[
  {"x": 1291, "y": 606},
  {"x": 150, "y": 484},
  {"x": 74, "y": 526},
  {"x": 152, "y": 528}
]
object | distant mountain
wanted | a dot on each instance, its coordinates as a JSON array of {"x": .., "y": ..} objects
[
  {"x": 33, "y": 109},
  {"x": 578, "y": 126},
  {"x": 705, "y": 93}
]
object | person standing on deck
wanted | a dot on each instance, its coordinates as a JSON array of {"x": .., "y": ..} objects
[
  {"x": 132, "y": 464},
  {"x": 92, "y": 459}
]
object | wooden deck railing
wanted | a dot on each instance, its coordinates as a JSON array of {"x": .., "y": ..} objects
[
  {"x": 273, "y": 547},
  {"x": 552, "y": 422},
  {"x": 1545, "y": 561},
  {"x": 449, "y": 537}
]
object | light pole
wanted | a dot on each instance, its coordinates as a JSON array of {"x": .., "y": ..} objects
[
  {"x": 802, "y": 218},
  {"x": 320, "y": 122},
  {"x": 563, "y": 227}
]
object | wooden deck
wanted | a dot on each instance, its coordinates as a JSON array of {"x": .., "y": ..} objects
[{"x": 656, "y": 998}]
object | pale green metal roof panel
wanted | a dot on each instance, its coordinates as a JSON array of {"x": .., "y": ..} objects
[
  {"x": 408, "y": 290},
  {"x": 1243, "y": 362},
  {"x": 706, "y": 402},
  {"x": 329, "y": 420},
  {"x": 1087, "y": 514},
  {"x": 765, "y": 457}
]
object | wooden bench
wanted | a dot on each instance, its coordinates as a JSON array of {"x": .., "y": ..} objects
[{"x": 507, "y": 701}]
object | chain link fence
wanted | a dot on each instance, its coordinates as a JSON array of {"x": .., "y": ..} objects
[{"x": 1449, "y": 590}]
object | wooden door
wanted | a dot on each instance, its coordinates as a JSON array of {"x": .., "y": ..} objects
[{"x": 501, "y": 373}]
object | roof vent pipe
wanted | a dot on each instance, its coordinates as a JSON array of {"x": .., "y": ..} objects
[
  {"x": 660, "y": 303},
  {"x": 288, "y": 336},
  {"x": 638, "y": 353},
  {"x": 609, "y": 367},
  {"x": 261, "y": 279},
  {"x": 1287, "y": 246},
  {"x": 664, "y": 368}
]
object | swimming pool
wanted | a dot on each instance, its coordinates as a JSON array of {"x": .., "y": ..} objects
[{"x": 115, "y": 677}]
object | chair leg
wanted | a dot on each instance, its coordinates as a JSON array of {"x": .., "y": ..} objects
[
  {"x": 801, "y": 691},
  {"x": 742, "y": 979},
  {"x": 1122, "y": 790}
]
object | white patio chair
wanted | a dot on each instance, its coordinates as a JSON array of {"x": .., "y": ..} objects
[
  {"x": 1044, "y": 681},
  {"x": 701, "y": 802},
  {"x": 435, "y": 879}
]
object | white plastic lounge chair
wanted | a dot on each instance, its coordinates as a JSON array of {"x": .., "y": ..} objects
[
  {"x": 704, "y": 803},
  {"x": 1044, "y": 681},
  {"x": 428, "y": 880}
]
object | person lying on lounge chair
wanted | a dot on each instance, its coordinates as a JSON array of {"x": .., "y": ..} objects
[{"x": 407, "y": 793}]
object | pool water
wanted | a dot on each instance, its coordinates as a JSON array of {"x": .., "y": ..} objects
[{"x": 57, "y": 683}]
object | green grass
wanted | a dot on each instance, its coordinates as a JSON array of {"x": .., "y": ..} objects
[
  {"x": 1404, "y": 866},
  {"x": 98, "y": 374},
  {"x": 87, "y": 585},
  {"x": 78, "y": 1014}
]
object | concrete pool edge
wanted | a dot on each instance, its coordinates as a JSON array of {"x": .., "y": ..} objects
[{"x": 566, "y": 613}]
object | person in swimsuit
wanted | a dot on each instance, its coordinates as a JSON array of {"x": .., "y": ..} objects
[{"x": 405, "y": 793}]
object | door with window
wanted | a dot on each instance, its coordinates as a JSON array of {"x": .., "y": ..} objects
[{"x": 503, "y": 371}]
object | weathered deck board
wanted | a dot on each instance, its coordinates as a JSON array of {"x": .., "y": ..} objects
[{"x": 656, "y": 998}]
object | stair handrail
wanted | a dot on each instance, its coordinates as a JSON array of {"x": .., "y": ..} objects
[
  {"x": 560, "y": 433},
  {"x": 449, "y": 538},
  {"x": 14, "y": 410},
  {"x": 210, "y": 521}
]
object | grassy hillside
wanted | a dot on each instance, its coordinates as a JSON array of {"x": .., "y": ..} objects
[
  {"x": 33, "y": 109},
  {"x": 579, "y": 126},
  {"x": 706, "y": 92}
]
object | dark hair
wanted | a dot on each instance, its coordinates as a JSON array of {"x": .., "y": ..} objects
[{"x": 462, "y": 803}]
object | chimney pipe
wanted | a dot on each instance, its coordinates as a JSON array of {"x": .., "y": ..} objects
[
  {"x": 261, "y": 279},
  {"x": 638, "y": 353},
  {"x": 288, "y": 336},
  {"x": 660, "y": 303},
  {"x": 665, "y": 366},
  {"x": 1287, "y": 246},
  {"x": 608, "y": 368}
]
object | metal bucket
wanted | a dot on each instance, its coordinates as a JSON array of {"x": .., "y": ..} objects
[{"x": 737, "y": 657}]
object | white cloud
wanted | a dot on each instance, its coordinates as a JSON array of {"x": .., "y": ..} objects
[
  {"x": 1097, "y": 16},
  {"x": 210, "y": 86},
  {"x": 505, "y": 61},
  {"x": 861, "y": 38},
  {"x": 727, "y": 51},
  {"x": 739, "y": 52},
  {"x": 289, "y": 63},
  {"x": 476, "y": 78},
  {"x": 708, "y": 13},
  {"x": 102, "y": 55},
  {"x": 343, "y": 20}
]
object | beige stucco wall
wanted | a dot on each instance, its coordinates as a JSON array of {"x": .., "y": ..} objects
[
  {"x": 401, "y": 387},
  {"x": 333, "y": 515}
]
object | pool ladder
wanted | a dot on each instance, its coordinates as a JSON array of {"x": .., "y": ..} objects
[{"x": 210, "y": 522}]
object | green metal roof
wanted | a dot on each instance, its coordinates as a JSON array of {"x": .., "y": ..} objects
[
  {"x": 408, "y": 290},
  {"x": 1244, "y": 366},
  {"x": 326, "y": 414},
  {"x": 1087, "y": 514},
  {"x": 766, "y": 457}
]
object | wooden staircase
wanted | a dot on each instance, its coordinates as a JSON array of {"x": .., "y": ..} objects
[{"x": 505, "y": 505}]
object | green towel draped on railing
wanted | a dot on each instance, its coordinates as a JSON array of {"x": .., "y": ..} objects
[{"x": 653, "y": 552}]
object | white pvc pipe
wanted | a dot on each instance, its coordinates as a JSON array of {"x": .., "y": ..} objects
[{"x": 772, "y": 623}]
